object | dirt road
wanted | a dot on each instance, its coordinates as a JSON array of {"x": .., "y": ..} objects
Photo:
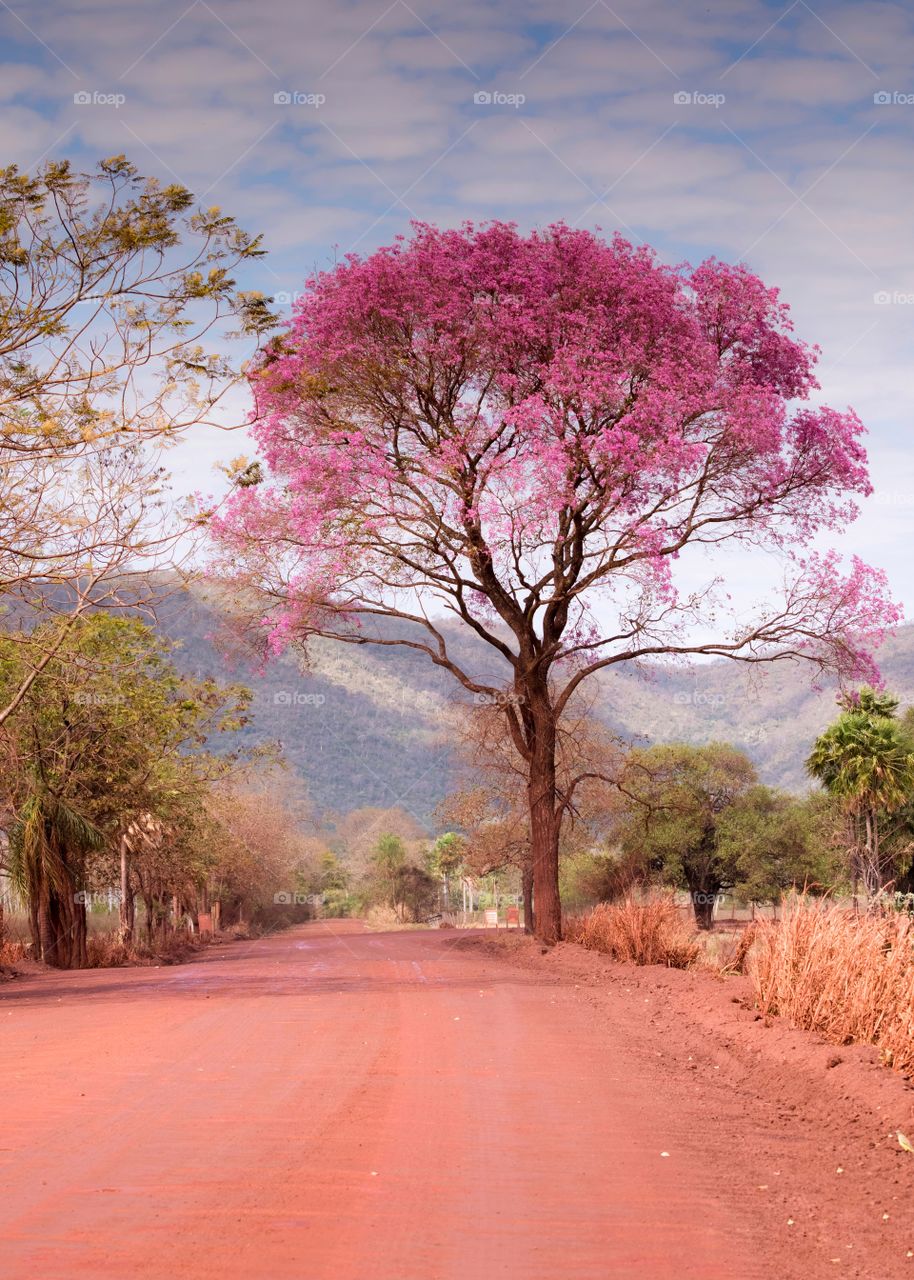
[{"x": 336, "y": 1103}]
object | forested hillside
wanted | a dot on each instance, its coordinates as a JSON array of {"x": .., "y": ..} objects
[{"x": 369, "y": 726}]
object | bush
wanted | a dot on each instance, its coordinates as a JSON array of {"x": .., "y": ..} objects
[
  {"x": 588, "y": 878},
  {"x": 848, "y": 977},
  {"x": 649, "y": 932}
]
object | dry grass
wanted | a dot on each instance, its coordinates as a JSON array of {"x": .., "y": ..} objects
[
  {"x": 849, "y": 978},
  {"x": 648, "y": 932},
  {"x": 12, "y": 952},
  {"x": 726, "y": 951},
  {"x": 108, "y": 950},
  {"x": 381, "y": 916}
]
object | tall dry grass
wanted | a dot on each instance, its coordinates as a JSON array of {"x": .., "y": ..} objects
[
  {"x": 851, "y": 978},
  {"x": 637, "y": 932}
]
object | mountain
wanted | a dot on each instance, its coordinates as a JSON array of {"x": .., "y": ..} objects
[{"x": 368, "y": 726}]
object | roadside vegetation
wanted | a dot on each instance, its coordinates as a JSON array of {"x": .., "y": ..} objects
[{"x": 823, "y": 882}]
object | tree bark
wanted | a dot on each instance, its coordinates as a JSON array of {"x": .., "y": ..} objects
[
  {"x": 544, "y": 828},
  {"x": 61, "y": 924},
  {"x": 872, "y": 872},
  {"x": 703, "y": 906},
  {"x": 128, "y": 913}
]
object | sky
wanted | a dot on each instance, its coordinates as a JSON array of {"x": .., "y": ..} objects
[{"x": 777, "y": 135}]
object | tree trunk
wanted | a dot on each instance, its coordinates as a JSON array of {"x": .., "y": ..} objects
[
  {"x": 128, "y": 914},
  {"x": 872, "y": 872},
  {"x": 544, "y": 829},
  {"x": 150, "y": 917},
  {"x": 35, "y": 923},
  {"x": 527, "y": 889},
  {"x": 62, "y": 925},
  {"x": 703, "y": 905},
  {"x": 44, "y": 921}
]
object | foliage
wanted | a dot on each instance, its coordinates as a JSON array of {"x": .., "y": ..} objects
[
  {"x": 108, "y": 745},
  {"x": 446, "y": 854},
  {"x": 49, "y": 843},
  {"x": 774, "y": 842},
  {"x": 257, "y": 844},
  {"x": 700, "y": 821},
  {"x": 588, "y": 876},
  {"x": 398, "y": 878},
  {"x": 333, "y": 886},
  {"x": 865, "y": 760},
  {"x": 116, "y": 300}
]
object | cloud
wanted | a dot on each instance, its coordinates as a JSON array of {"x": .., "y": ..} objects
[{"x": 399, "y": 135}]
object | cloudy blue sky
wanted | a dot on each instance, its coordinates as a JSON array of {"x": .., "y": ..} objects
[{"x": 778, "y": 134}]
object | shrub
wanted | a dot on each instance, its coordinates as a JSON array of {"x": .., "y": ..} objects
[
  {"x": 848, "y": 977},
  {"x": 649, "y": 932},
  {"x": 382, "y": 916}
]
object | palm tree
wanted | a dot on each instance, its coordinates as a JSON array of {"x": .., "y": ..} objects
[
  {"x": 865, "y": 761},
  {"x": 48, "y": 844}
]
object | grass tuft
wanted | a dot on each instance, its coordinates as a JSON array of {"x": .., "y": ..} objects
[{"x": 637, "y": 932}]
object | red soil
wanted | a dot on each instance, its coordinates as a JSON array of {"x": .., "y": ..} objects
[{"x": 410, "y": 1106}]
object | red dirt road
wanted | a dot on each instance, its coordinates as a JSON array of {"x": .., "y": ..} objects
[{"x": 336, "y": 1103}]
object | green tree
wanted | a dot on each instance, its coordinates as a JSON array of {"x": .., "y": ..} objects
[
  {"x": 387, "y": 860},
  {"x": 445, "y": 858},
  {"x": 108, "y": 737},
  {"x": 49, "y": 843},
  {"x": 865, "y": 760},
  {"x": 333, "y": 885},
  {"x": 675, "y": 796},
  {"x": 769, "y": 842}
]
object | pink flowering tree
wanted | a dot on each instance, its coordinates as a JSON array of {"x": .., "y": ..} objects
[{"x": 524, "y": 433}]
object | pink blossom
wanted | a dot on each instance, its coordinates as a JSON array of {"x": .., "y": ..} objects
[{"x": 489, "y": 416}]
